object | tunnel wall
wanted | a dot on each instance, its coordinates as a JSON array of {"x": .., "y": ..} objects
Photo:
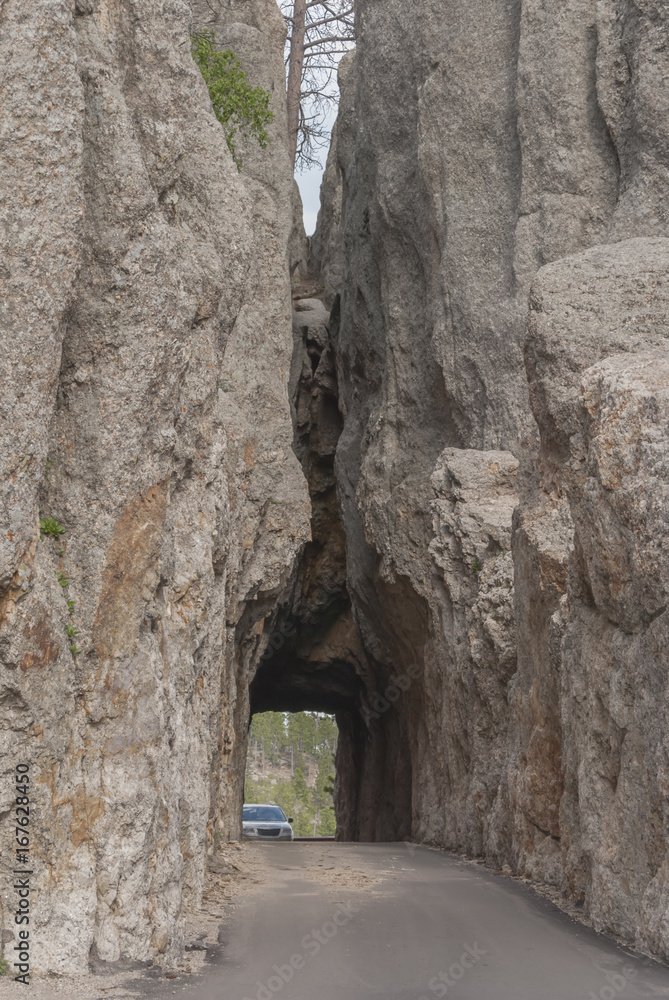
[{"x": 496, "y": 205}]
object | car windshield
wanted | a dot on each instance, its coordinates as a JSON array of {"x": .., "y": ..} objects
[{"x": 264, "y": 814}]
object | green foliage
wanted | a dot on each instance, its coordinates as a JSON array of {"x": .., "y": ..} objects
[
  {"x": 476, "y": 568},
  {"x": 324, "y": 793},
  {"x": 4, "y": 967},
  {"x": 303, "y": 825},
  {"x": 71, "y": 606},
  {"x": 49, "y": 527},
  {"x": 62, "y": 579},
  {"x": 238, "y": 106},
  {"x": 71, "y": 631},
  {"x": 286, "y": 749},
  {"x": 328, "y": 823},
  {"x": 302, "y": 796}
]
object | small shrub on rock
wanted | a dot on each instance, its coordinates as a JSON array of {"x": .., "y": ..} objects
[{"x": 238, "y": 106}]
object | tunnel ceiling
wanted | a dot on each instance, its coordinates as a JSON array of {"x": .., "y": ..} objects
[{"x": 293, "y": 685}]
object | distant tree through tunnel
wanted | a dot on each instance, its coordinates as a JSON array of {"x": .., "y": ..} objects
[{"x": 291, "y": 764}]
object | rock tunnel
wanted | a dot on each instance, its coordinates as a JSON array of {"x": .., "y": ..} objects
[
  {"x": 319, "y": 667},
  {"x": 315, "y": 658}
]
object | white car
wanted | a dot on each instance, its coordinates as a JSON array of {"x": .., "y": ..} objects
[{"x": 265, "y": 823}]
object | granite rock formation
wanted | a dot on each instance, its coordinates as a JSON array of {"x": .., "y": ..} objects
[
  {"x": 597, "y": 365},
  {"x": 437, "y": 507},
  {"x": 147, "y": 350},
  {"x": 502, "y": 237}
]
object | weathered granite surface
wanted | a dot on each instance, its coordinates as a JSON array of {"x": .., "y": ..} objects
[
  {"x": 501, "y": 468},
  {"x": 601, "y": 404},
  {"x": 327, "y": 242},
  {"x": 440, "y": 512},
  {"x": 146, "y": 354}
]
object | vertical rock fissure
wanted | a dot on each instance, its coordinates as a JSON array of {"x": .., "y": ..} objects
[{"x": 314, "y": 658}]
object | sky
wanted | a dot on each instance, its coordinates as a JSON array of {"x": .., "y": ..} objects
[
  {"x": 310, "y": 182},
  {"x": 310, "y": 188}
]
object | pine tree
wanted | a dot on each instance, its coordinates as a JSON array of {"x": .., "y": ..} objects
[
  {"x": 300, "y": 744},
  {"x": 319, "y": 33}
]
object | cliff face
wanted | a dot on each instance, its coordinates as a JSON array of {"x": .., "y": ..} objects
[
  {"x": 147, "y": 322},
  {"x": 504, "y": 173},
  {"x": 597, "y": 364},
  {"x": 439, "y": 512}
]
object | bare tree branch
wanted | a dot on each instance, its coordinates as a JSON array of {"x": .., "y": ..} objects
[
  {"x": 319, "y": 32},
  {"x": 326, "y": 41}
]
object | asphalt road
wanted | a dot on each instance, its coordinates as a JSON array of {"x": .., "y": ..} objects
[{"x": 432, "y": 927}]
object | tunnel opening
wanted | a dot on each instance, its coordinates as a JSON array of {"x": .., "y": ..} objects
[
  {"x": 291, "y": 764},
  {"x": 295, "y": 684},
  {"x": 372, "y": 713},
  {"x": 318, "y": 672}
]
